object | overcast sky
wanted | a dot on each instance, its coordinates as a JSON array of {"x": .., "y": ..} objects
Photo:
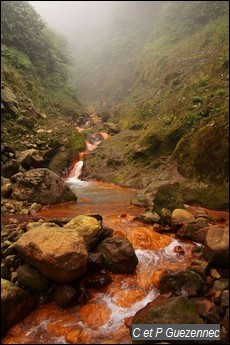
[{"x": 74, "y": 17}]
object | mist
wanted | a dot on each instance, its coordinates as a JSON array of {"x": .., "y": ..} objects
[{"x": 77, "y": 20}]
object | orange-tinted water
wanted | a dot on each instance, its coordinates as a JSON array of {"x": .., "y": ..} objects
[{"x": 104, "y": 319}]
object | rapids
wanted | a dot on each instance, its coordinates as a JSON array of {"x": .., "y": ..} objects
[{"x": 106, "y": 316}]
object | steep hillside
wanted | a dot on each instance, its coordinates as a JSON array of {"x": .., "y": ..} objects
[
  {"x": 174, "y": 112},
  {"x": 39, "y": 105}
]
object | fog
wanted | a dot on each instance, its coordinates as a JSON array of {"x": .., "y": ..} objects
[{"x": 77, "y": 20}]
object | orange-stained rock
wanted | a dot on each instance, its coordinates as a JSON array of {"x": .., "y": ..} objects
[
  {"x": 156, "y": 275},
  {"x": 126, "y": 298},
  {"x": 77, "y": 336},
  {"x": 94, "y": 315},
  {"x": 59, "y": 254},
  {"x": 144, "y": 238}
]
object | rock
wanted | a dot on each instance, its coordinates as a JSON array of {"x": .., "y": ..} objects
[
  {"x": 215, "y": 274},
  {"x": 225, "y": 299},
  {"x": 164, "y": 310},
  {"x": 95, "y": 262},
  {"x": 6, "y": 190},
  {"x": 111, "y": 128},
  {"x": 118, "y": 255},
  {"x": 42, "y": 186},
  {"x": 29, "y": 158},
  {"x": 150, "y": 217},
  {"x": 216, "y": 247},
  {"x": 60, "y": 255},
  {"x": 10, "y": 168},
  {"x": 200, "y": 267},
  {"x": 181, "y": 217},
  {"x": 185, "y": 282},
  {"x": 166, "y": 216},
  {"x": 16, "y": 303},
  {"x": 221, "y": 284},
  {"x": 9, "y": 102},
  {"x": 5, "y": 273},
  {"x": 31, "y": 279},
  {"x": 34, "y": 208},
  {"x": 16, "y": 176},
  {"x": 87, "y": 227},
  {"x": 225, "y": 320},
  {"x": 140, "y": 200},
  {"x": 168, "y": 196},
  {"x": 97, "y": 280},
  {"x": 206, "y": 309},
  {"x": 66, "y": 295}
]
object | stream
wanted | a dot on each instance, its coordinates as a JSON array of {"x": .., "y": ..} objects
[{"x": 105, "y": 317}]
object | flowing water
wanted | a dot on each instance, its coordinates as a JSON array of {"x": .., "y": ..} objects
[{"x": 105, "y": 317}]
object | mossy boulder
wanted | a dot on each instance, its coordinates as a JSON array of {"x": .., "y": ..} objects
[
  {"x": 168, "y": 196},
  {"x": 16, "y": 303},
  {"x": 203, "y": 153}
]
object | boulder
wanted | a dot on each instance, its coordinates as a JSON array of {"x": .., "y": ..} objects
[
  {"x": 182, "y": 217},
  {"x": 185, "y": 282},
  {"x": 59, "y": 254},
  {"x": 9, "y": 101},
  {"x": 206, "y": 309},
  {"x": 216, "y": 246},
  {"x": 31, "y": 279},
  {"x": 150, "y": 217},
  {"x": 30, "y": 158},
  {"x": 164, "y": 310},
  {"x": 42, "y": 186},
  {"x": 168, "y": 196},
  {"x": 16, "y": 303},
  {"x": 66, "y": 295},
  {"x": 89, "y": 228},
  {"x": 118, "y": 255},
  {"x": 10, "y": 168}
]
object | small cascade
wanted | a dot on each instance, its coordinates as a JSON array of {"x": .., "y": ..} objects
[{"x": 91, "y": 144}]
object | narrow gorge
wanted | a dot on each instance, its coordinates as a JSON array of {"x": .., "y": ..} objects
[{"x": 114, "y": 170}]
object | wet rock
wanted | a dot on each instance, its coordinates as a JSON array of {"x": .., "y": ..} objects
[
  {"x": 140, "y": 200},
  {"x": 94, "y": 315},
  {"x": 97, "y": 280},
  {"x": 181, "y": 217},
  {"x": 66, "y": 295},
  {"x": 60, "y": 255},
  {"x": 95, "y": 262},
  {"x": 150, "y": 217},
  {"x": 42, "y": 186},
  {"x": 216, "y": 247},
  {"x": 31, "y": 279},
  {"x": 16, "y": 303},
  {"x": 118, "y": 255},
  {"x": 185, "y": 282},
  {"x": 206, "y": 309},
  {"x": 89, "y": 228},
  {"x": 174, "y": 310},
  {"x": 166, "y": 216},
  {"x": 10, "y": 168}
]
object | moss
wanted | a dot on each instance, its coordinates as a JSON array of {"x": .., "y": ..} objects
[{"x": 168, "y": 196}]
